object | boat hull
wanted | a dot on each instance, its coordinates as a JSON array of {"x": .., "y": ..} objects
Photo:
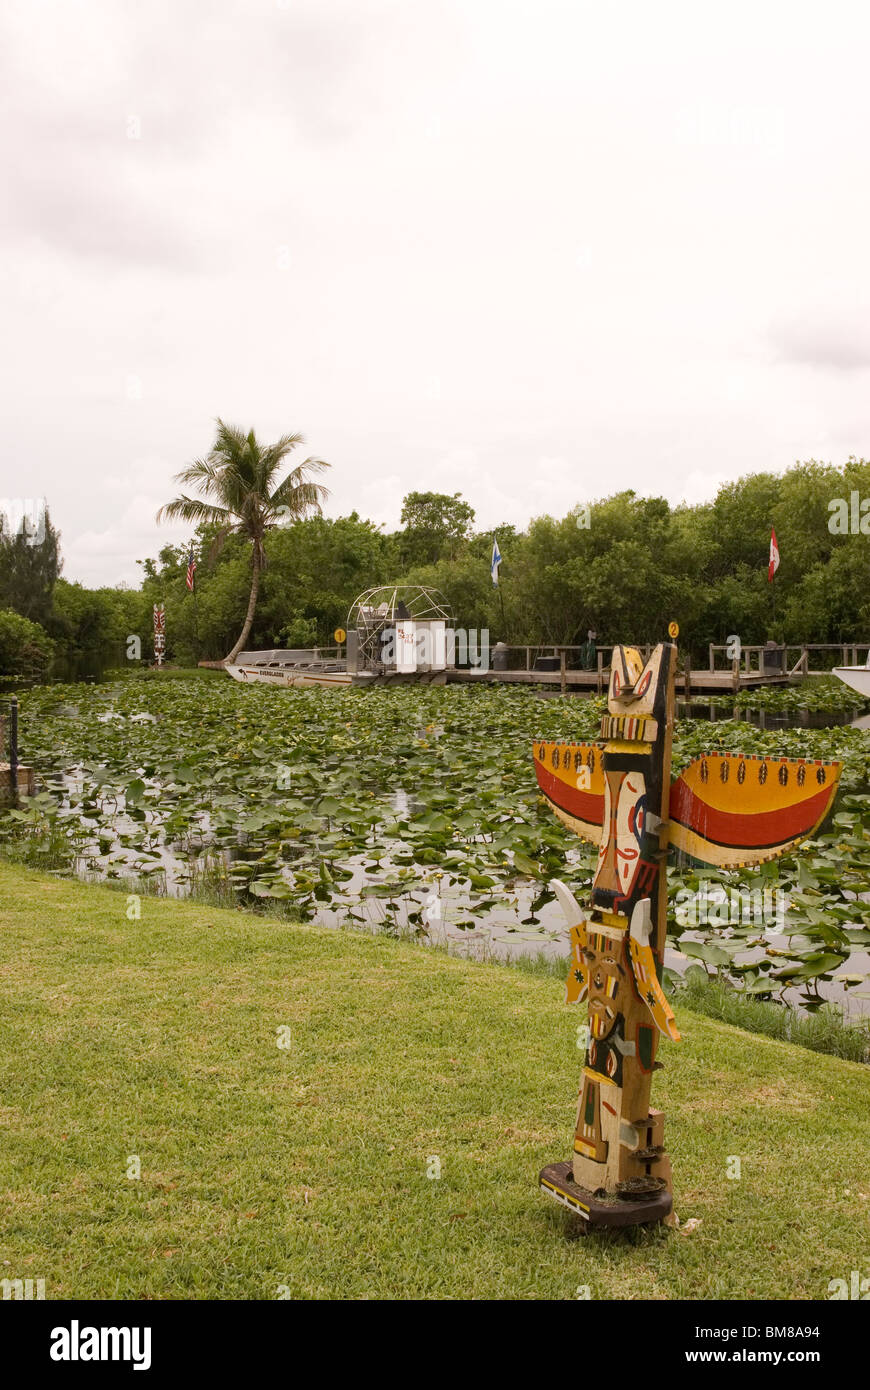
[
  {"x": 856, "y": 677},
  {"x": 251, "y": 675},
  {"x": 289, "y": 677}
]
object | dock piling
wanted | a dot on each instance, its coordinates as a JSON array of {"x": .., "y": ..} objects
[{"x": 13, "y": 745}]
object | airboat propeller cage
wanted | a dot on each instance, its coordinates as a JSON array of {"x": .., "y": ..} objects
[{"x": 403, "y": 628}]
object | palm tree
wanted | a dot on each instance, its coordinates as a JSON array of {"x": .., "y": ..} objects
[{"x": 237, "y": 482}]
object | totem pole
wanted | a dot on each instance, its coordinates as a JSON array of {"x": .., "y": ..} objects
[
  {"x": 159, "y": 632},
  {"x": 724, "y": 810}
]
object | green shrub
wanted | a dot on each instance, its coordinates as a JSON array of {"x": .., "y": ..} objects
[
  {"x": 300, "y": 632},
  {"x": 25, "y": 648}
]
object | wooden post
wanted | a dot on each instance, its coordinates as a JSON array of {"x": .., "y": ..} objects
[
  {"x": 687, "y": 680},
  {"x": 13, "y": 745},
  {"x": 712, "y": 658},
  {"x": 563, "y": 683}
]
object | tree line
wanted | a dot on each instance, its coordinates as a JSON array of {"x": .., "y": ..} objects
[{"x": 622, "y": 566}]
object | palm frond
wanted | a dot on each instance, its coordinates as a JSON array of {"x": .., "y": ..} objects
[
  {"x": 275, "y": 454},
  {"x": 234, "y": 456},
  {"x": 231, "y": 441},
  {"x": 236, "y": 480},
  {"x": 309, "y": 465},
  {"x": 185, "y": 508},
  {"x": 296, "y": 491},
  {"x": 202, "y": 473}
]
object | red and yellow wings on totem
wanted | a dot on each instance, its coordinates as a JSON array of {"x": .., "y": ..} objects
[
  {"x": 570, "y": 776},
  {"x": 731, "y": 810},
  {"x": 726, "y": 809}
]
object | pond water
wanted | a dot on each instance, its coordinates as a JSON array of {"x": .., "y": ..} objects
[
  {"x": 190, "y": 819},
  {"x": 89, "y": 668},
  {"x": 771, "y": 719}
]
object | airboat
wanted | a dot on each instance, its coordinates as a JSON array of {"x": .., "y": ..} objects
[
  {"x": 396, "y": 634},
  {"x": 856, "y": 677}
]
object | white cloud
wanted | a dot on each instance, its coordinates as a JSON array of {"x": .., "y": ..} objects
[
  {"x": 109, "y": 556},
  {"x": 381, "y": 501},
  {"x": 699, "y": 486}
]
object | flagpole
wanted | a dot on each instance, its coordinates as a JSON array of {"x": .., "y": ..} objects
[
  {"x": 773, "y": 596},
  {"x": 497, "y": 579}
]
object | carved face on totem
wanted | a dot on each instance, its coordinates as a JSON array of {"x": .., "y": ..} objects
[
  {"x": 628, "y": 854},
  {"x": 606, "y": 974},
  {"x": 621, "y": 845}
]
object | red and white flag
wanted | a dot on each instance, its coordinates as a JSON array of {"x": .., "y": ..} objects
[{"x": 773, "y": 562}]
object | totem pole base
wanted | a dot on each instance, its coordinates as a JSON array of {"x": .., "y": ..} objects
[{"x": 630, "y": 1209}]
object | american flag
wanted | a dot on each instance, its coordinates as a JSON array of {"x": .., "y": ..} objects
[{"x": 191, "y": 569}]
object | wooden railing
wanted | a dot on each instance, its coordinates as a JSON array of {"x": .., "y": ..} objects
[
  {"x": 784, "y": 661},
  {"x": 780, "y": 659},
  {"x": 564, "y": 653}
]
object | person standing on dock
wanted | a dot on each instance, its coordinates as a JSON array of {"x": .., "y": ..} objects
[{"x": 589, "y": 652}]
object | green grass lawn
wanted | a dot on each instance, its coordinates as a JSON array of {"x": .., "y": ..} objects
[{"x": 306, "y": 1167}]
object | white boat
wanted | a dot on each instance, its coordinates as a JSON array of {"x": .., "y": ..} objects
[
  {"x": 285, "y": 667},
  {"x": 856, "y": 677}
]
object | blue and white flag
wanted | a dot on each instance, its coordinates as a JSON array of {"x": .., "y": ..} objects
[{"x": 495, "y": 562}]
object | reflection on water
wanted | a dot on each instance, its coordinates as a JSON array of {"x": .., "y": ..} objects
[
  {"x": 404, "y": 804},
  {"x": 111, "y": 716},
  {"x": 765, "y": 719},
  {"x": 88, "y": 668}
]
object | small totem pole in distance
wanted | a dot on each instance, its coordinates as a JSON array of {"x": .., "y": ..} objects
[
  {"x": 725, "y": 810},
  {"x": 159, "y": 632}
]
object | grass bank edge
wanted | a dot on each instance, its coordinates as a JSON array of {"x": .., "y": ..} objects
[{"x": 827, "y": 1031}]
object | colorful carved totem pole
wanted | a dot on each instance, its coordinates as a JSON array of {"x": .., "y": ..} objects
[{"x": 724, "y": 810}]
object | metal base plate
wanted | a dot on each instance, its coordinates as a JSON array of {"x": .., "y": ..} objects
[{"x": 558, "y": 1182}]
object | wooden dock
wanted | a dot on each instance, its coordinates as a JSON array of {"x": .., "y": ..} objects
[
  {"x": 560, "y": 666},
  {"x": 754, "y": 668},
  {"x": 25, "y": 778}
]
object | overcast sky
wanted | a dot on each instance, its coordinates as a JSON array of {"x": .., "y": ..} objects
[{"x": 532, "y": 251}]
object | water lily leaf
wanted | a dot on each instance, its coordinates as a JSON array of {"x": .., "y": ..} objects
[
  {"x": 705, "y": 950},
  {"x": 526, "y": 865},
  {"x": 759, "y": 986}
]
